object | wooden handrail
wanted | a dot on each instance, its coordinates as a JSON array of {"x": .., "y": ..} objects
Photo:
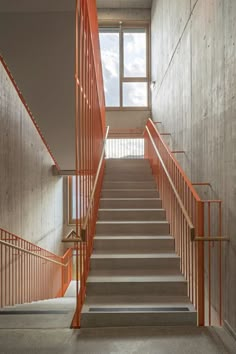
[
  {"x": 84, "y": 226},
  {"x": 191, "y": 226},
  {"x": 32, "y": 253}
]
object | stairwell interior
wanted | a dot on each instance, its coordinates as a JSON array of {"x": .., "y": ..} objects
[{"x": 134, "y": 276}]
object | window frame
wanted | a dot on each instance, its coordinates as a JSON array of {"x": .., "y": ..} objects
[
  {"x": 71, "y": 221},
  {"x": 121, "y": 27}
]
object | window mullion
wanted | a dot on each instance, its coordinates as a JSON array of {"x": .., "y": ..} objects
[
  {"x": 121, "y": 66},
  {"x": 134, "y": 79}
]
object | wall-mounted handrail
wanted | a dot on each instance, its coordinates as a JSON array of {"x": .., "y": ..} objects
[
  {"x": 91, "y": 198},
  {"x": 32, "y": 253},
  {"x": 185, "y": 213},
  {"x": 172, "y": 157},
  {"x": 191, "y": 224},
  {"x": 28, "y": 110}
]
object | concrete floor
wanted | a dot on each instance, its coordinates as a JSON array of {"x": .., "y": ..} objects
[
  {"x": 44, "y": 334},
  {"x": 163, "y": 340}
]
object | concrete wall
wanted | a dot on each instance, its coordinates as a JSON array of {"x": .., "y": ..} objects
[
  {"x": 194, "y": 66},
  {"x": 39, "y": 49},
  {"x": 125, "y": 119},
  {"x": 31, "y": 199}
]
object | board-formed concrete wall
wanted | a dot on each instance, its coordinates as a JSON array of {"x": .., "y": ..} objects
[
  {"x": 39, "y": 49},
  {"x": 194, "y": 66},
  {"x": 31, "y": 198}
]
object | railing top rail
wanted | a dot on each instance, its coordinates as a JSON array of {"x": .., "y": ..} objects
[
  {"x": 187, "y": 181},
  {"x": 30, "y": 243},
  {"x": 191, "y": 226},
  {"x": 84, "y": 226},
  {"x": 28, "y": 110},
  {"x": 32, "y": 253}
]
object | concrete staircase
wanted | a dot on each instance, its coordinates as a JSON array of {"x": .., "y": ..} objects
[{"x": 134, "y": 278}]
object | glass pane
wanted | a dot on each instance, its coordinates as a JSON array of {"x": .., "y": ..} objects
[
  {"x": 82, "y": 197},
  {"x": 125, "y": 148},
  {"x": 135, "y": 53},
  {"x": 110, "y": 48},
  {"x": 135, "y": 94}
]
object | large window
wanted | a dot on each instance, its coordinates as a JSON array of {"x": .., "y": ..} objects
[
  {"x": 83, "y": 196},
  {"x": 125, "y": 67}
]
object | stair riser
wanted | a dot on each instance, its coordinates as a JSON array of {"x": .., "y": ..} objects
[
  {"x": 139, "y": 288},
  {"x": 128, "y": 215},
  {"x": 129, "y": 193},
  {"x": 134, "y": 245},
  {"x": 137, "y": 176},
  {"x": 132, "y": 229},
  {"x": 129, "y": 185},
  {"x": 138, "y": 319},
  {"x": 126, "y": 203},
  {"x": 128, "y": 167},
  {"x": 135, "y": 263}
]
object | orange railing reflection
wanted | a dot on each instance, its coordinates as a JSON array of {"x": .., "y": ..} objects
[
  {"x": 192, "y": 223},
  {"x": 29, "y": 272},
  {"x": 90, "y": 134}
]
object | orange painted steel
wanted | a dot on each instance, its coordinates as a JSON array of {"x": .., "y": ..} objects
[
  {"x": 191, "y": 224},
  {"x": 28, "y": 110},
  {"x": 29, "y": 272},
  {"x": 89, "y": 137},
  {"x": 125, "y": 148}
]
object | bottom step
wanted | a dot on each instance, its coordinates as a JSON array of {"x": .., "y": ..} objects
[
  {"x": 127, "y": 317},
  {"x": 127, "y": 311}
]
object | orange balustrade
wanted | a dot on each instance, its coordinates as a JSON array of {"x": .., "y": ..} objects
[
  {"x": 191, "y": 221},
  {"x": 29, "y": 272},
  {"x": 90, "y": 134}
]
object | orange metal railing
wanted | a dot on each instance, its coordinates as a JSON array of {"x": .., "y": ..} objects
[
  {"x": 90, "y": 134},
  {"x": 117, "y": 148},
  {"x": 191, "y": 224},
  {"x": 29, "y": 272}
]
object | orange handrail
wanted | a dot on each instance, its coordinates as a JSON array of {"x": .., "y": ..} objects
[
  {"x": 186, "y": 213},
  {"x": 89, "y": 136},
  {"x": 28, "y": 110},
  {"x": 29, "y": 272}
]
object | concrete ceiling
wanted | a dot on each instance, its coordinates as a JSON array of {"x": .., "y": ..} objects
[
  {"x": 66, "y": 5},
  {"x": 122, "y": 4}
]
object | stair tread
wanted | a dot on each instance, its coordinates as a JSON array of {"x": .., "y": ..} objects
[
  {"x": 105, "y": 198},
  {"x": 145, "y": 302},
  {"x": 133, "y": 237},
  {"x": 132, "y": 222},
  {"x": 129, "y": 189},
  {"x": 133, "y": 255},
  {"x": 137, "y": 299},
  {"x": 134, "y": 278},
  {"x": 131, "y": 209}
]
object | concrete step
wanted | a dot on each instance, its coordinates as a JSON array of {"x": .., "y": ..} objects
[
  {"x": 121, "y": 244},
  {"x": 136, "y": 261},
  {"x": 131, "y": 214},
  {"x": 129, "y": 193},
  {"x": 132, "y": 228},
  {"x": 120, "y": 311},
  {"x": 130, "y": 185},
  {"x": 140, "y": 176},
  {"x": 159, "y": 285},
  {"x": 128, "y": 163},
  {"x": 133, "y": 203}
]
